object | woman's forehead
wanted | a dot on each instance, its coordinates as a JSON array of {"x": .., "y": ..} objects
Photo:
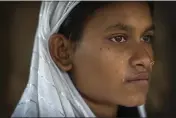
[
  {"x": 133, "y": 14},
  {"x": 124, "y": 9}
]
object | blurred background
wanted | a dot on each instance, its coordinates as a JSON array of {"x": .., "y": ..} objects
[{"x": 17, "y": 29}]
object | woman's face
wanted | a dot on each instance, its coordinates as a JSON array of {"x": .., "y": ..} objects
[{"x": 112, "y": 63}]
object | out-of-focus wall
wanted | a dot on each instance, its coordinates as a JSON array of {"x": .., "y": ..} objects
[
  {"x": 19, "y": 25},
  {"x": 162, "y": 94},
  {"x": 160, "y": 83}
]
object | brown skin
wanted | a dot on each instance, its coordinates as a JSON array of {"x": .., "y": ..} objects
[{"x": 108, "y": 55}]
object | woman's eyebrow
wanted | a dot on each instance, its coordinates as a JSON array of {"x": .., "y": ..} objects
[
  {"x": 119, "y": 26},
  {"x": 125, "y": 27},
  {"x": 150, "y": 28}
]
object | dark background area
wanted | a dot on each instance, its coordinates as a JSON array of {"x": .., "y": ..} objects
[{"x": 18, "y": 24}]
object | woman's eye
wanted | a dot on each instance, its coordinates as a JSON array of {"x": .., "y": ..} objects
[
  {"x": 118, "y": 39},
  {"x": 147, "y": 38}
]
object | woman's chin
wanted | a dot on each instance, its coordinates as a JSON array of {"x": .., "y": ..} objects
[
  {"x": 133, "y": 101},
  {"x": 134, "y": 104}
]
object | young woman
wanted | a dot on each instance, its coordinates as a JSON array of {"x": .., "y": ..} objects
[{"x": 89, "y": 58}]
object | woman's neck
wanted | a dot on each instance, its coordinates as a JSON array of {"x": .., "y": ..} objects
[
  {"x": 102, "y": 110},
  {"x": 99, "y": 109}
]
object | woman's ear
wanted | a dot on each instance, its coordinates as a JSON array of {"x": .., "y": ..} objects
[{"x": 61, "y": 50}]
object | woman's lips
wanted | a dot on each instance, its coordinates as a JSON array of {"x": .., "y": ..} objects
[{"x": 141, "y": 78}]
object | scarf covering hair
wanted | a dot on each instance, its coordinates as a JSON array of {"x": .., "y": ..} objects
[{"x": 50, "y": 91}]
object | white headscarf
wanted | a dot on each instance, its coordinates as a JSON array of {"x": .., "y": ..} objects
[{"x": 50, "y": 91}]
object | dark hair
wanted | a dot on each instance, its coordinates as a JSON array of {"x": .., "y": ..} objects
[{"x": 73, "y": 25}]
